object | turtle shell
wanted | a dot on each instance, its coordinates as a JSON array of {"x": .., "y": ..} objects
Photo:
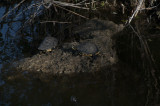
[
  {"x": 48, "y": 43},
  {"x": 87, "y": 48}
]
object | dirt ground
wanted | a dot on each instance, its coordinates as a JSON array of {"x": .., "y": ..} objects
[{"x": 65, "y": 60}]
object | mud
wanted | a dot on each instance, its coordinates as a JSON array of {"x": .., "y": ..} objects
[{"x": 65, "y": 60}]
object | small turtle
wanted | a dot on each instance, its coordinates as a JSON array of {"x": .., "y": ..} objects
[
  {"x": 87, "y": 49},
  {"x": 48, "y": 44}
]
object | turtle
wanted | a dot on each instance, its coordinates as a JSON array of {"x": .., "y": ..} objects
[
  {"x": 87, "y": 49},
  {"x": 48, "y": 44}
]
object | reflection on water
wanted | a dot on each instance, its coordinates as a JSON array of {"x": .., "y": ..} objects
[
  {"x": 8, "y": 41},
  {"x": 109, "y": 87},
  {"x": 2, "y": 82}
]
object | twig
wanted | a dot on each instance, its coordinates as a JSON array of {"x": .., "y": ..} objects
[
  {"x": 149, "y": 8},
  {"x": 80, "y": 3},
  {"x": 12, "y": 9},
  {"x": 54, "y": 22},
  {"x": 36, "y": 13},
  {"x": 136, "y": 11},
  {"x": 63, "y": 4},
  {"x": 71, "y": 12},
  {"x": 29, "y": 7}
]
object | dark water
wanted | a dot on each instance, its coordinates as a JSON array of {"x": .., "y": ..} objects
[
  {"x": 110, "y": 87},
  {"x": 121, "y": 85}
]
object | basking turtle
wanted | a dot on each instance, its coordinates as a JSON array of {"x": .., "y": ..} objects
[
  {"x": 48, "y": 44},
  {"x": 87, "y": 49}
]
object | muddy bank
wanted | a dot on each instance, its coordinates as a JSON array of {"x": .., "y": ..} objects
[{"x": 65, "y": 60}]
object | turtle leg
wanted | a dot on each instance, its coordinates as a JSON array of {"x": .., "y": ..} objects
[
  {"x": 73, "y": 48},
  {"x": 49, "y": 50},
  {"x": 88, "y": 55},
  {"x": 40, "y": 52},
  {"x": 98, "y": 54}
]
